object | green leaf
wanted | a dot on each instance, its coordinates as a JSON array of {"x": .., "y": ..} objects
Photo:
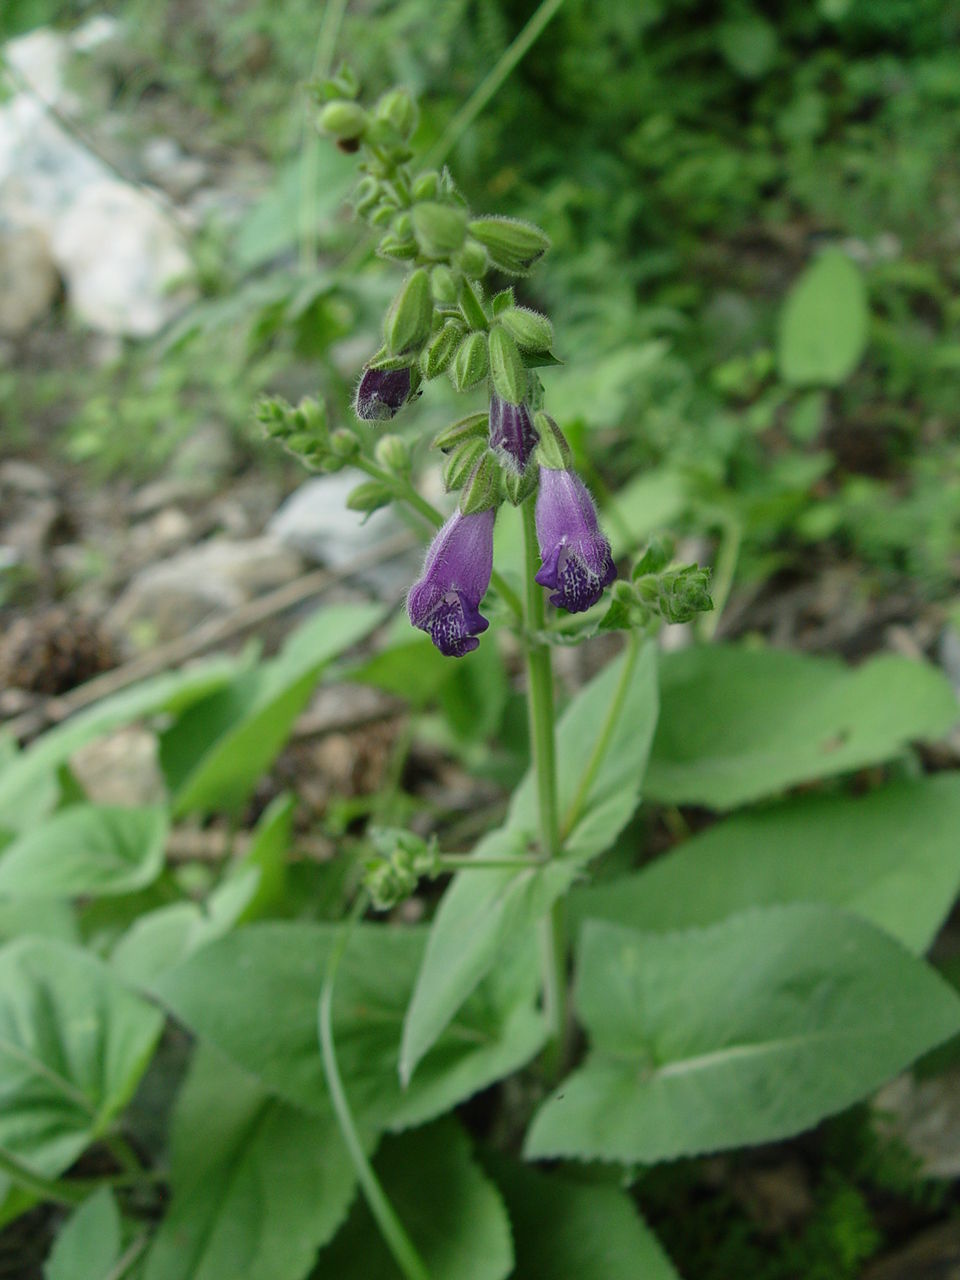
[
  {"x": 86, "y": 849},
  {"x": 746, "y": 1032},
  {"x": 892, "y": 857},
  {"x": 43, "y": 917},
  {"x": 170, "y": 693},
  {"x": 267, "y": 855},
  {"x": 258, "y": 1185},
  {"x": 88, "y": 1245},
  {"x": 564, "y": 1229},
  {"x": 603, "y": 740},
  {"x": 645, "y": 505},
  {"x": 214, "y": 755},
  {"x": 222, "y": 994},
  {"x": 738, "y": 723},
  {"x": 452, "y": 1212},
  {"x": 749, "y": 45},
  {"x": 73, "y": 1044},
  {"x": 824, "y": 323}
]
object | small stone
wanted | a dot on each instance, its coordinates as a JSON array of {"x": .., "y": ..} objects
[
  {"x": 24, "y": 477},
  {"x": 29, "y": 282},
  {"x": 120, "y": 769}
]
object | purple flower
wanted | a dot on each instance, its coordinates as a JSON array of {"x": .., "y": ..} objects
[
  {"x": 577, "y": 563},
  {"x": 381, "y": 393},
  {"x": 445, "y": 602},
  {"x": 512, "y": 434}
]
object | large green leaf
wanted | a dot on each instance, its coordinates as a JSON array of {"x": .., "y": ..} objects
[
  {"x": 254, "y": 995},
  {"x": 739, "y": 723},
  {"x": 603, "y": 741},
  {"x": 88, "y": 1246},
  {"x": 564, "y": 1229},
  {"x": 258, "y": 1185},
  {"x": 745, "y": 1032},
  {"x": 170, "y": 693},
  {"x": 86, "y": 849},
  {"x": 892, "y": 856},
  {"x": 44, "y": 917},
  {"x": 823, "y": 327},
  {"x": 73, "y": 1044},
  {"x": 451, "y": 1211},
  {"x": 215, "y": 753}
]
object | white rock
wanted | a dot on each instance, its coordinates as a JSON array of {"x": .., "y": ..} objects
[
  {"x": 168, "y": 599},
  {"x": 40, "y": 59},
  {"x": 118, "y": 253},
  {"x": 316, "y": 522},
  {"x": 28, "y": 279}
]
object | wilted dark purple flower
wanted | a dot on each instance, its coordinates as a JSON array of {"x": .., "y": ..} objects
[
  {"x": 381, "y": 393},
  {"x": 445, "y": 602},
  {"x": 513, "y": 436},
  {"x": 577, "y": 563}
]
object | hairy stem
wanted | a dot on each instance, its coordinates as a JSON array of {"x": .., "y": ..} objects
[
  {"x": 484, "y": 91},
  {"x": 543, "y": 745},
  {"x": 394, "y": 1234}
]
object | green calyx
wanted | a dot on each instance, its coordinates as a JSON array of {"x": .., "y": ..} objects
[
  {"x": 482, "y": 489},
  {"x": 408, "y": 320},
  {"x": 440, "y": 229},
  {"x": 471, "y": 362},
  {"x": 529, "y": 329},
  {"x": 507, "y": 370},
  {"x": 514, "y": 246},
  {"x": 473, "y": 427},
  {"x": 553, "y": 452}
]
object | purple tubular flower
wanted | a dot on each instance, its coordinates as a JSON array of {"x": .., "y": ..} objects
[
  {"x": 513, "y": 436},
  {"x": 381, "y": 393},
  {"x": 445, "y": 601},
  {"x": 577, "y": 563}
]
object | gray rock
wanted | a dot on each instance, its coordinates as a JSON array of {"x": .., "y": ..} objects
[
  {"x": 28, "y": 279},
  {"x": 925, "y": 1116},
  {"x": 167, "y": 599},
  {"x": 316, "y": 522},
  {"x": 121, "y": 768}
]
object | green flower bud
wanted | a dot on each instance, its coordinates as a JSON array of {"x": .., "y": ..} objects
[
  {"x": 398, "y": 109},
  {"x": 553, "y": 452},
  {"x": 474, "y": 426},
  {"x": 384, "y": 214},
  {"x": 393, "y": 454},
  {"x": 342, "y": 85},
  {"x": 529, "y": 329},
  {"x": 402, "y": 226},
  {"x": 472, "y": 259},
  {"x": 408, "y": 320},
  {"x": 344, "y": 444},
  {"x": 502, "y": 301},
  {"x": 506, "y": 367},
  {"x": 366, "y": 195},
  {"x": 345, "y": 121},
  {"x": 427, "y": 185},
  {"x": 461, "y": 461},
  {"x": 391, "y": 246},
  {"x": 439, "y": 351},
  {"x": 443, "y": 285},
  {"x": 514, "y": 246},
  {"x": 482, "y": 489},
  {"x": 519, "y": 487},
  {"x": 440, "y": 229},
  {"x": 369, "y": 496},
  {"x": 471, "y": 362}
]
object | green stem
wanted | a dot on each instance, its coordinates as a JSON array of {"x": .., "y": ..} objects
[
  {"x": 466, "y": 862},
  {"x": 484, "y": 91},
  {"x": 395, "y": 1237},
  {"x": 543, "y": 746},
  {"x": 725, "y": 569},
  {"x": 51, "y": 1189},
  {"x": 603, "y": 741},
  {"x": 310, "y": 143},
  {"x": 126, "y": 1260}
]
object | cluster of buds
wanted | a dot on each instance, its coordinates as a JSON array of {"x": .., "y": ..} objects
[
  {"x": 401, "y": 860},
  {"x": 445, "y": 320},
  {"x": 658, "y": 590}
]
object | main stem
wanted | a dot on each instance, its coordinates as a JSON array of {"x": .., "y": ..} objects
[{"x": 543, "y": 745}]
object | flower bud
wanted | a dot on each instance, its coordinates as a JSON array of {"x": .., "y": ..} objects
[
  {"x": 345, "y": 121},
  {"x": 366, "y": 195},
  {"x": 393, "y": 454},
  {"x": 369, "y": 496},
  {"x": 473, "y": 427},
  {"x": 502, "y": 301},
  {"x": 439, "y": 228},
  {"x": 402, "y": 226},
  {"x": 427, "y": 185},
  {"x": 471, "y": 362},
  {"x": 398, "y": 109},
  {"x": 344, "y": 444},
  {"x": 529, "y": 329},
  {"x": 506, "y": 367},
  {"x": 472, "y": 259},
  {"x": 553, "y": 452},
  {"x": 443, "y": 285},
  {"x": 481, "y": 491},
  {"x": 408, "y": 320},
  {"x": 461, "y": 461},
  {"x": 439, "y": 351},
  {"x": 514, "y": 246},
  {"x": 392, "y": 246}
]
